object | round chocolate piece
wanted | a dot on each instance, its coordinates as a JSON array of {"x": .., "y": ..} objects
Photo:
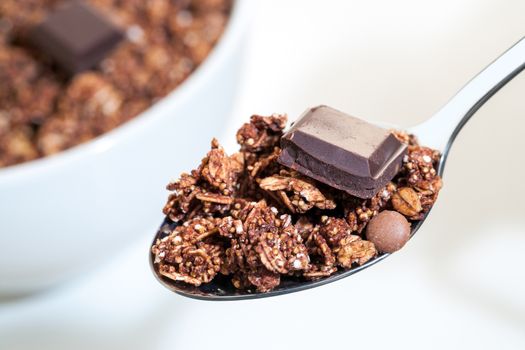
[{"x": 388, "y": 230}]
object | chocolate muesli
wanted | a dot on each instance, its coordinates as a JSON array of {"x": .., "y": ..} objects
[
  {"x": 251, "y": 218},
  {"x": 53, "y": 99}
]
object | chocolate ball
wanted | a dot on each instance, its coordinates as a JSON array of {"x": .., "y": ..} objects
[{"x": 388, "y": 230}]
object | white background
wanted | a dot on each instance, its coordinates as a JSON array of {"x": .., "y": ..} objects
[{"x": 459, "y": 284}]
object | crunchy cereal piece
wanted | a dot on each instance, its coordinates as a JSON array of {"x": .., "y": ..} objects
[
  {"x": 270, "y": 255},
  {"x": 35, "y": 103},
  {"x": 430, "y": 187},
  {"x": 237, "y": 163},
  {"x": 277, "y": 242},
  {"x": 262, "y": 247},
  {"x": 170, "y": 272},
  {"x": 88, "y": 108},
  {"x": 304, "y": 227},
  {"x": 218, "y": 169},
  {"x": 241, "y": 208},
  {"x": 15, "y": 144},
  {"x": 91, "y": 97},
  {"x": 304, "y": 195},
  {"x": 418, "y": 165},
  {"x": 16, "y": 68},
  {"x": 334, "y": 230},
  {"x": 275, "y": 123},
  {"x": 407, "y": 202},
  {"x": 230, "y": 227},
  {"x": 262, "y": 133},
  {"x": 196, "y": 230},
  {"x": 235, "y": 263},
  {"x": 194, "y": 265},
  {"x": 354, "y": 250},
  {"x": 209, "y": 190},
  {"x": 283, "y": 251},
  {"x": 181, "y": 201},
  {"x": 242, "y": 259},
  {"x": 240, "y": 281},
  {"x": 428, "y": 194},
  {"x": 202, "y": 33},
  {"x": 295, "y": 251},
  {"x": 317, "y": 245},
  {"x": 257, "y": 166},
  {"x": 28, "y": 92},
  {"x": 186, "y": 181},
  {"x": 322, "y": 258},
  {"x": 186, "y": 254},
  {"x": 406, "y": 138},
  {"x": 319, "y": 271},
  {"x": 349, "y": 249},
  {"x": 265, "y": 164},
  {"x": 214, "y": 198},
  {"x": 419, "y": 173},
  {"x": 263, "y": 279},
  {"x": 359, "y": 214}
]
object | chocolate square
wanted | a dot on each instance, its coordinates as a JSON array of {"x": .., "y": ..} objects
[
  {"x": 76, "y": 36},
  {"x": 342, "y": 151}
]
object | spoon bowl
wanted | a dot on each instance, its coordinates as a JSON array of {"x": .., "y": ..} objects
[{"x": 438, "y": 132}]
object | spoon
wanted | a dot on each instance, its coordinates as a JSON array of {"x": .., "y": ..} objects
[{"x": 438, "y": 132}]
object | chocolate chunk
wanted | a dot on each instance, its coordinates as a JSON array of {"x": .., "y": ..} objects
[
  {"x": 388, "y": 230},
  {"x": 342, "y": 151},
  {"x": 76, "y": 36}
]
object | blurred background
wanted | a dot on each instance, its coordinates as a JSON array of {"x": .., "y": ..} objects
[{"x": 459, "y": 284}]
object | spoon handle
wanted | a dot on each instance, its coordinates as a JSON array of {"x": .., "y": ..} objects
[{"x": 443, "y": 127}]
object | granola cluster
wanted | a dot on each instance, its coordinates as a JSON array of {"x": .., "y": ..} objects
[
  {"x": 248, "y": 217},
  {"x": 44, "y": 111}
]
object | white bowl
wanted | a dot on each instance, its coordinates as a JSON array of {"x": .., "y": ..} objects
[{"x": 62, "y": 214}]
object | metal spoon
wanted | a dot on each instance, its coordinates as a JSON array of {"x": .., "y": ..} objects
[{"x": 438, "y": 132}]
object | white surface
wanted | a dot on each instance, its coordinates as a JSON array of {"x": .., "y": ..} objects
[
  {"x": 460, "y": 284},
  {"x": 65, "y": 213},
  {"x": 438, "y": 130}
]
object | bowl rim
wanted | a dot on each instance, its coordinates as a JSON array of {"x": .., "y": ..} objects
[{"x": 239, "y": 18}]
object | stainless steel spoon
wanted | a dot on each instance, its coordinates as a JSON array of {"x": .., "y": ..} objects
[{"x": 438, "y": 132}]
